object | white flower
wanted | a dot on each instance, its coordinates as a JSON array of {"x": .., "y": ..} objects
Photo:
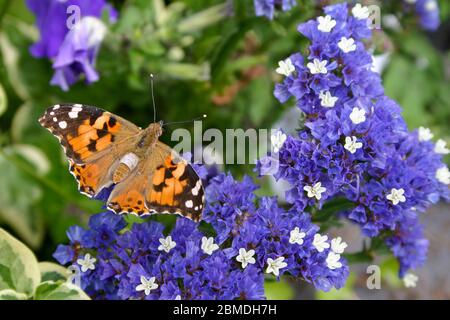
[
  {"x": 318, "y": 66},
  {"x": 87, "y": 263},
  {"x": 274, "y": 266},
  {"x": 358, "y": 115},
  {"x": 208, "y": 245},
  {"x": 347, "y": 45},
  {"x": 338, "y": 246},
  {"x": 425, "y": 134},
  {"x": 147, "y": 285},
  {"x": 320, "y": 242},
  {"x": 166, "y": 244},
  {"x": 431, "y": 5},
  {"x": 326, "y": 24},
  {"x": 333, "y": 260},
  {"x": 410, "y": 280},
  {"x": 246, "y": 257},
  {"x": 278, "y": 140},
  {"x": 443, "y": 175},
  {"x": 285, "y": 68},
  {"x": 352, "y": 145},
  {"x": 315, "y": 190},
  {"x": 327, "y": 100},
  {"x": 360, "y": 12},
  {"x": 297, "y": 236},
  {"x": 396, "y": 196},
  {"x": 441, "y": 147},
  {"x": 93, "y": 28}
]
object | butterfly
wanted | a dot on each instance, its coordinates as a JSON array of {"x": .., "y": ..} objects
[{"x": 106, "y": 150}]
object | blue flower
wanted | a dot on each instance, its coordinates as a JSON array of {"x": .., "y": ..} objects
[
  {"x": 267, "y": 7},
  {"x": 387, "y": 173},
  {"x": 73, "y": 48}
]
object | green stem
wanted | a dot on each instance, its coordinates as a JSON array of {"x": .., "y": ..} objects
[{"x": 4, "y": 9}]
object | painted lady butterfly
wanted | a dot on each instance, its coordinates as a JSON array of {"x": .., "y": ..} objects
[{"x": 104, "y": 149}]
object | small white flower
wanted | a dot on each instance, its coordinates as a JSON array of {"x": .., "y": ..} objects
[
  {"x": 315, "y": 190},
  {"x": 410, "y": 280},
  {"x": 246, "y": 257},
  {"x": 358, "y": 115},
  {"x": 167, "y": 244},
  {"x": 318, "y": 66},
  {"x": 327, "y": 100},
  {"x": 87, "y": 263},
  {"x": 443, "y": 175},
  {"x": 147, "y": 285},
  {"x": 425, "y": 134},
  {"x": 274, "y": 266},
  {"x": 347, "y": 45},
  {"x": 352, "y": 145},
  {"x": 285, "y": 68},
  {"x": 396, "y": 196},
  {"x": 208, "y": 245},
  {"x": 431, "y": 5},
  {"x": 296, "y": 236},
  {"x": 441, "y": 147},
  {"x": 278, "y": 140},
  {"x": 320, "y": 242},
  {"x": 360, "y": 12},
  {"x": 338, "y": 246},
  {"x": 333, "y": 260},
  {"x": 326, "y": 24}
]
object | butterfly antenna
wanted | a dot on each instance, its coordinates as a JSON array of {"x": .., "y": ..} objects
[
  {"x": 153, "y": 97},
  {"x": 189, "y": 121}
]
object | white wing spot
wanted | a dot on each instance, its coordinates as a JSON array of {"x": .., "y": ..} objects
[
  {"x": 77, "y": 105},
  {"x": 196, "y": 208},
  {"x": 77, "y": 108},
  {"x": 52, "y": 113},
  {"x": 62, "y": 124},
  {"x": 55, "y": 119},
  {"x": 56, "y": 107},
  {"x": 189, "y": 204},
  {"x": 73, "y": 115}
]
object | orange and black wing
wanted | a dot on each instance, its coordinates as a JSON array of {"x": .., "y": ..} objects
[
  {"x": 174, "y": 186},
  {"x": 88, "y": 136}
]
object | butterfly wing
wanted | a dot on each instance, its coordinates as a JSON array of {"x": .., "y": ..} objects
[
  {"x": 166, "y": 183},
  {"x": 91, "y": 138},
  {"x": 174, "y": 186}
]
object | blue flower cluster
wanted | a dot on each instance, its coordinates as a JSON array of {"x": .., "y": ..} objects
[
  {"x": 267, "y": 8},
  {"x": 70, "y": 34},
  {"x": 354, "y": 142},
  {"x": 249, "y": 239},
  {"x": 427, "y": 12}
]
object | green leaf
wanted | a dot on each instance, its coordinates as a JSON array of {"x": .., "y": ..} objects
[
  {"x": 203, "y": 19},
  {"x": 19, "y": 269},
  {"x": 3, "y": 100},
  {"x": 9, "y": 294},
  {"x": 52, "y": 272},
  {"x": 278, "y": 290},
  {"x": 59, "y": 290},
  {"x": 20, "y": 197}
]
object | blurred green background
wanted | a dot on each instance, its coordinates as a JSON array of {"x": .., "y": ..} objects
[{"x": 206, "y": 60}]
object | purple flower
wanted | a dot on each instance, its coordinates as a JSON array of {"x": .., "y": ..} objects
[
  {"x": 132, "y": 262},
  {"x": 427, "y": 12},
  {"x": 72, "y": 44},
  {"x": 354, "y": 141},
  {"x": 267, "y": 7}
]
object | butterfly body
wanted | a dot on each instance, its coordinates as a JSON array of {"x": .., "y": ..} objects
[{"x": 104, "y": 149}]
